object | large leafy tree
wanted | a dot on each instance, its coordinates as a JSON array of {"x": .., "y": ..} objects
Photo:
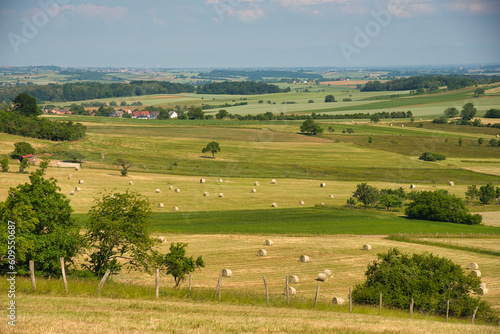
[
  {"x": 177, "y": 264},
  {"x": 309, "y": 126},
  {"x": 427, "y": 279},
  {"x": 212, "y": 147},
  {"x": 26, "y": 105},
  {"x": 468, "y": 111},
  {"x": 44, "y": 228},
  {"x": 23, "y": 148},
  {"x": 118, "y": 229},
  {"x": 366, "y": 194}
]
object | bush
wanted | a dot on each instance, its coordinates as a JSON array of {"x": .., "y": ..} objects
[
  {"x": 492, "y": 113},
  {"x": 432, "y": 156},
  {"x": 440, "y": 206},
  {"x": 23, "y": 148},
  {"x": 434, "y": 280}
]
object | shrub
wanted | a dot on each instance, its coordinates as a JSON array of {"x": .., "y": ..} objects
[
  {"x": 434, "y": 280},
  {"x": 23, "y": 148},
  {"x": 432, "y": 156}
]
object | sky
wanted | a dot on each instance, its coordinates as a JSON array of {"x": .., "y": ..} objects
[{"x": 248, "y": 33}]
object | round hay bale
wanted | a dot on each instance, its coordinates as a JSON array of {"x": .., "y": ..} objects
[
  {"x": 158, "y": 191},
  {"x": 206, "y": 194},
  {"x": 330, "y": 196},
  {"x": 291, "y": 290},
  {"x": 268, "y": 242},
  {"x": 367, "y": 247},
  {"x": 274, "y": 205},
  {"x": 338, "y": 301},
  {"x": 293, "y": 279},
  {"x": 402, "y": 125},
  {"x": 482, "y": 285},
  {"x": 78, "y": 189},
  {"x": 390, "y": 124},
  {"x": 301, "y": 202},
  {"x": 71, "y": 192},
  {"x": 413, "y": 186},
  {"x": 80, "y": 182},
  {"x": 273, "y": 181},
  {"x": 70, "y": 176},
  {"x": 77, "y": 168},
  {"x": 256, "y": 183},
  {"x": 171, "y": 188},
  {"x": 227, "y": 273},
  {"x": 322, "y": 277},
  {"x": 162, "y": 240},
  {"x": 304, "y": 258},
  {"x": 473, "y": 266},
  {"x": 482, "y": 291},
  {"x": 219, "y": 180},
  {"x": 476, "y": 273},
  {"x": 177, "y": 190},
  {"x": 262, "y": 252},
  {"x": 202, "y": 180},
  {"x": 451, "y": 183},
  {"x": 221, "y": 195},
  {"x": 322, "y": 185},
  {"x": 321, "y": 204},
  {"x": 328, "y": 273},
  {"x": 161, "y": 205},
  {"x": 175, "y": 209},
  {"x": 253, "y": 191},
  {"x": 130, "y": 183}
]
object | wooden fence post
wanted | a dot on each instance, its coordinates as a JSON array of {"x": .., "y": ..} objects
[
  {"x": 286, "y": 291},
  {"x": 32, "y": 274},
  {"x": 64, "y": 275},
  {"x": 103, "y": 280},
  {"x": 380, "y": 304},
  {"x": 350, "y": 300},
  {"x": 447, "y": 309},
  {"x": 474, "y": 315},
  {"x": 190, "y": 281},
  {"x": 157, "y": 292},
  {"x": 267, "y": 290},
  {"x": 317, "y": 295},
  {"x": 411, "y": 309}
]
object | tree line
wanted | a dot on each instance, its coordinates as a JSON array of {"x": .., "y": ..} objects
[{"x": 240, "y": 88}]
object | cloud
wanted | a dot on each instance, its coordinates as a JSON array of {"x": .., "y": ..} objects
[
  {"x": 476, "y": 6},
  {"x": 159, "y": 22},
  {"x": 249, "y": 15},
  {"x": 243, "y": 10},
  {"x": 102, "y": 12}
]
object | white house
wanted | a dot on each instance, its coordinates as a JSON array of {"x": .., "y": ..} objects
[{"x": 172, "y": 114}]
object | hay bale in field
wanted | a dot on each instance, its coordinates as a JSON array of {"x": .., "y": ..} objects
[
  {"x": 321, "y": 204},
  {"x": 253, "y": 191},
  {"x": 158, "y": 191},
  {"x": 77, "y": 168},
  {"x": 175, "y": 209},
  {"x": 367, "y": 247},
  {"x": 301, "y": 202},
  {"x": 177, "y": 190},
  {"x": 202, "y": 180},
  {"x": 291, "y": 290},
  {"x": 78, "y": 189},
  {"x": 293, "y": 279},
  {"x": 161, "y": 205},
  {"x": 70, "y": 176},
  {"x": 274, "y": 205},
  {"x": 304, "y": 258},
  {"x": 227, "y": 273},
  {"x": 402, "y": 125},
  {"x": 219, "y": 180},
  {"x": 482, "y": 291},
  {"x": 328, "y": 273},
  {"x": 413, "y": 186},
  {"x": 330, "y": 196},
  {"x": 338, "y": 301},
  {"x": 71, "y": 192},
  {"x": 390, "y": 124},
  {"x": 451, "y": 183},
  {"x": 322, "y": 277},
  {"x": 322, "y": 185},
  {"x": 206, "y": 194},
  {"x": 256, "y": 183},
  {"x": 80, "y": 182},
  {"x": 130, "y": 183},
  {"x": 273, "y": 181},
  {"x": 476, "y": 273},
  {"x": 221, "y": 195},
  {"x": 473, "y": 266},
  {"x": 262, "y": 253},
  {"x": 268, "y": 242},
  {"x": 171, "y": 188},
  {"x": 162, "y": 240}
]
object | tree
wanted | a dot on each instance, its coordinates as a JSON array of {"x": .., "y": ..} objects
[
  {"x": 26, "y": 105},
  {"x": 330, "y": 98},
  {"x": 75, "y": 156},
  {"x": 212, "y": 147},
  {"x": 118, "y": 229},
  {"x": 492, "y": 113},
  {"x": 195, "y": 113},
  {"x": 78, "y": 110},
  {"x": 370, "y": 140},
  {"x": 349, "y": 130},
  {"x": 113, "y": 103},
  {"x": 366, "y": 194},
  {"x": 487, "y": 193},
  {"x": 123, "y": 103},
  {"x": 44, "y": 164},
  {"x": 309, "y": 126},
  {"x": 23, "y": 148},
  {"x": 427, "y": 279},
  {"x": 127, "y": 115},
  {"x": 392, "y": 198},
  {"x": 480, "y": 141},
  {"x": 24, "y": 163},
  {"x": 432, "y": 156},
  {"x": 4, "y": 163},
  {"x": 222, "y": 114},
  {"x": 45, "y": 230},
  {"x": 451, "y": 112},
  {"x": 460, "y": 141},
  {"x": 472, "y": 193},
  {"x": 177, "y": 264},
  {"x": 493, "y": 142},
  {"x": 468, "y": 111},
  {"x": 478, "y": 91},
  {"x": 375, "y": 118},
  {"x": 124, "y": 164}
]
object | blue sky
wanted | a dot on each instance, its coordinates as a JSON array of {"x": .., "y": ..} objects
[{"x": 249, "y": 33}]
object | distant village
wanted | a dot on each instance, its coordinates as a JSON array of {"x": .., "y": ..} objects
[{"x": 117, "y": 113}]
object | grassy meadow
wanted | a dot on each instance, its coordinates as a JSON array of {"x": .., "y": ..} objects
[{"x": 228, "y": 231}]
